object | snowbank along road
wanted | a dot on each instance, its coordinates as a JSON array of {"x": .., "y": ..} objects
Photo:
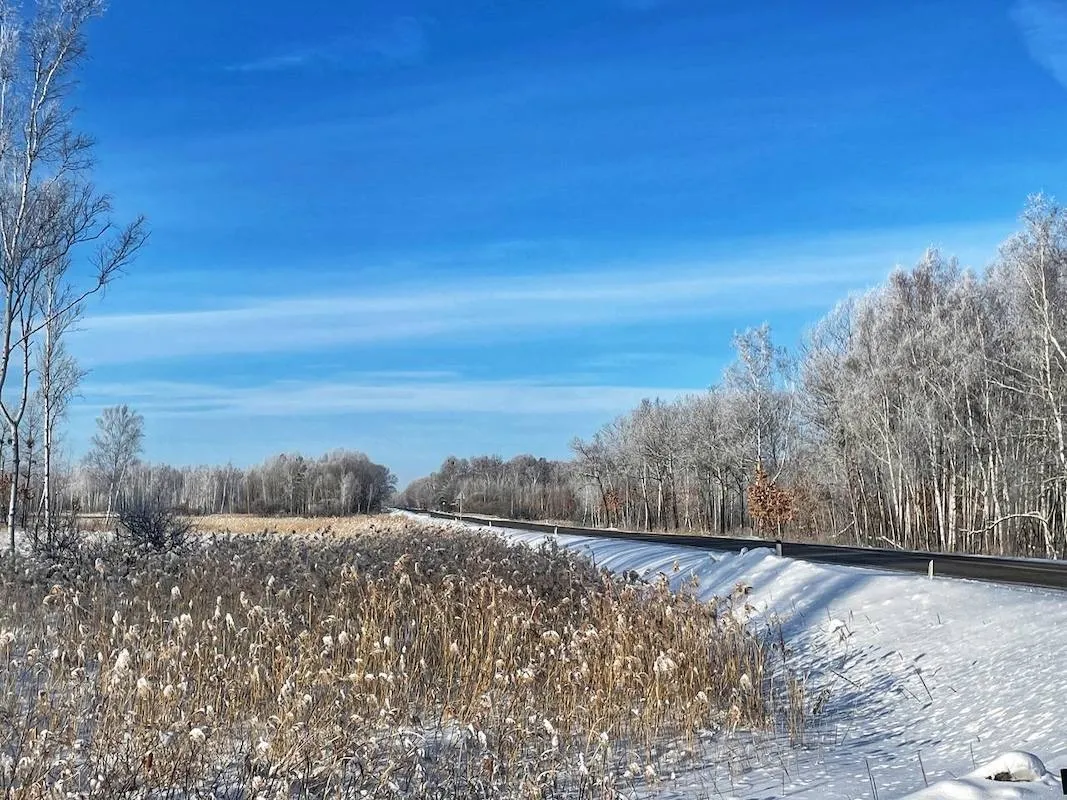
[
  {"x": 931, "y": 686},
  {"x": 1026, "y": 571}
]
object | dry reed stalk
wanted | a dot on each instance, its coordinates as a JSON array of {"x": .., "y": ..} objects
[{"x": 382, "y": 655}]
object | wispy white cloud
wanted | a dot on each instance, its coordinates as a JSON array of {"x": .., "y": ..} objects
[
  {"x": 400, "y": 41},
  {"x": 280, "y": 62},
  {"x": 774, "y": 277},
  {"x": 1043, "y": 24},
  {"x": 367, "y": 394},
  {"x": 536, "y": 307}
]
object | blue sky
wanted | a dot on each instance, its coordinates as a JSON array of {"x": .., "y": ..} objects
[{"x": 422, "y": 228}]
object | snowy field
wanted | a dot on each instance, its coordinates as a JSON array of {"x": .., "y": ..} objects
[{"x": 928, "y": 681}]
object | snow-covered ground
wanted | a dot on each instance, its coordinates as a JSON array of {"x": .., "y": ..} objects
[{"x": 929, "y": 681}]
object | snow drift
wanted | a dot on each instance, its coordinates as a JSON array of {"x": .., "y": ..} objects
[{"x": 1012, "y": 776}]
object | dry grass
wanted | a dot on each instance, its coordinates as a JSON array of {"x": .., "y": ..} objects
[
  {"x": 374, "y": 658},
  {"x": 242, "y": 523}
]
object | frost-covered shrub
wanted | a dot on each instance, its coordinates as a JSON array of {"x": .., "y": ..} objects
[{"x": 150, "y": 526}]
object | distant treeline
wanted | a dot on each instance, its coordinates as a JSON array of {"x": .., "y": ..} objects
[
  {"x": 339, "y": 483},
  {"x": 523, "y": 488},
  {"x": 929, "y": 412}
]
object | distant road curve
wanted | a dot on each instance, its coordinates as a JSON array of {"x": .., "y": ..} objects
[{"x": 1026, "y": 571}]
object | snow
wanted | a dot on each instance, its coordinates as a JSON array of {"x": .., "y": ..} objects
[
  {"x": 1012, "y": 776},
  {"x": 926, "y": 679}
]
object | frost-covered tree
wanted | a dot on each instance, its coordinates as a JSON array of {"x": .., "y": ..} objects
[
  {"x": 56, "y": 228},
  {"x": 115, "y": 447},
  {"x": 929, "y": 412}
]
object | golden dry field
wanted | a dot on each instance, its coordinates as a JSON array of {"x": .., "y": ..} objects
[
  {"x": 374, "y": 657},
  {"x": 241, "y": 523}
]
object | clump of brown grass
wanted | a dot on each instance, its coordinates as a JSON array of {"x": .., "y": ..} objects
[
  {"x": 251, "y": 523},
  {"x": 390, "y": 659}
]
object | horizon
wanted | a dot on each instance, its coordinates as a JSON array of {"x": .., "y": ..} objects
[{"x": 424, "y": 231}]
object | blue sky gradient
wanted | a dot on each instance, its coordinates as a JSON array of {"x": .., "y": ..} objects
[{"x": 421, "y": 228}]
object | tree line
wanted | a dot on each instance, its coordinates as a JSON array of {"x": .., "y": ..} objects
[
  {"x": 112, "y": 476},
  {"x": 525, "y": 487},
  {"x": 928, "y": 413},
  {"x": 339, "y": 483}
]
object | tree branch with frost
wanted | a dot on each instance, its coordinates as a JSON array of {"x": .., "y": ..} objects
[{"x": 52, "y": 218}]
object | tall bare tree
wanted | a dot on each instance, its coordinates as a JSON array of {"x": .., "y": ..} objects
[
  {"x": 54, "y": 224},
  {"x": 58, "y": 378},
  {"x": 115, "y": 448}
]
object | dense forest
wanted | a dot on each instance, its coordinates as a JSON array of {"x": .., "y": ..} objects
[{"x": 929, "y": 412}]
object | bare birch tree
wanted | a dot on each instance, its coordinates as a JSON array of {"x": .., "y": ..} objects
[
  {"x": 54, "y": 224},
  {"x": 115, "y": 448},
  {"x": 58, "y": 378}
]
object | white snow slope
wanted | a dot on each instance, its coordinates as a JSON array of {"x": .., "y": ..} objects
[{"x": 955, "y": 673}]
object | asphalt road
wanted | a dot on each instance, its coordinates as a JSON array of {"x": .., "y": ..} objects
[{"x": 1029, "y": 572}]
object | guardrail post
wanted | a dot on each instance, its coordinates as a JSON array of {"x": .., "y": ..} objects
[
  {"x": 555, "y": 530},
  {"x": 490, "y": 523},
  {"x": 931, "y": 569},
  {"x": 778, "y": 548}
]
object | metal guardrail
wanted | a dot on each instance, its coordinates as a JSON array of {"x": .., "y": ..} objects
[{"x": 1029, "y": 572}]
